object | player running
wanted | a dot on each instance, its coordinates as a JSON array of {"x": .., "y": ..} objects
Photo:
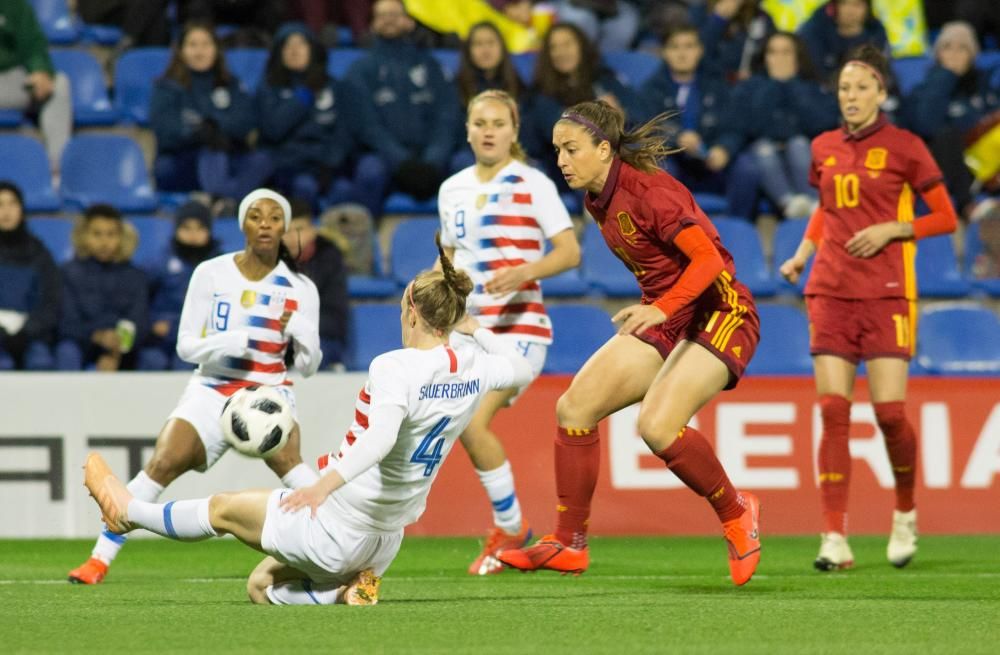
[
  {"x": 690, "y": 338},
  {"x": 415, "y": 404},
  {"x": 861, "y": 295},
  {"x": 495, "y": 218},
  {"x": 241, "y": 313}
]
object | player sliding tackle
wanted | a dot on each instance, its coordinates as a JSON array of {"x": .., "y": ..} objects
[{"x": 337, "y": 551}]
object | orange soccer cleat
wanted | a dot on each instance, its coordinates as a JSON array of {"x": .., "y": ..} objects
[
  {"x": 109, "y": 492},
  {"x": 547, "y": 553},
  {"x": 743, "y": 539},
  {"x": 363, "y": 589},
  {"x": 497, "y": 540},
  {"x": 90, "y": 572}
]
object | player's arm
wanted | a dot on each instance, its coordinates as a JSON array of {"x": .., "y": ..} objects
[
  {"x": 516, "y": 369},
  {"x": 198, "y": 305},
  {"x": 792, "y": 267},
  {"x": 704, "y": 266},
  {"x": 565, "y": 254},
  {"x": 303, "y": 328},
  {"x": 941, "y": 220}
]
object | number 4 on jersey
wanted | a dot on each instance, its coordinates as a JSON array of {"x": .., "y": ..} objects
[{"x": 428, "y": 452}]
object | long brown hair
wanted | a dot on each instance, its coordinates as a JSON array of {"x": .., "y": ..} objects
[
  {"x": 279, "y": 75},
  {"x": 571, "y": 88},
  {"x": 642, "y": 147},
  {"x": 504, "y": 77},
  {"x": 504, "y": 98},
  {"x": 439, "y": 297},
  {"x": 179, "y": 72}
]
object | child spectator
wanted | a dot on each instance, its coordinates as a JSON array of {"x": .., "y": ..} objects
[
  {"x": 687, "y": 86},
  {"x": 29, "y": 295},
  {"x": 202, "y": 119},
  {"x": 191, "y": 244},
  {"x": 778, "y": 111},
  {"x": 323, "y": 263},
  {"x": 105, "y": 297}
]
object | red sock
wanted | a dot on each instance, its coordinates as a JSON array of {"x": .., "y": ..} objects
[
  {"x": 578, "y": 461},
  {"x": 691, "y": 458},
  {"x": 901, "y": 442},
  {"x": 834, "y": 461}
]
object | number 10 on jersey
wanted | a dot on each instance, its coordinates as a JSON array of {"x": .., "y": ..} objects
[{"x": 428, "y": 452}]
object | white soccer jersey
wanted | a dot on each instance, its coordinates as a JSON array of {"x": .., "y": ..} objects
[
  {"x": 230, "y": 325},
  {"x": 439, "y": 390},
  {"x": 503, "y": 222}
]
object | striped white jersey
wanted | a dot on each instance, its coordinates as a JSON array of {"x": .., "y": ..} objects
[
  {"x": 503, "y": 222},
  {"x": 230, "y": 325},
  {"x": 437, "y": 391}
]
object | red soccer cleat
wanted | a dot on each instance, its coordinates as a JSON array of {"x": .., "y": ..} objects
[
  {"x": 90, "y": 572},
  {"x": 547, "y": 553},
  {"x": 743, "y": 539},
  {"x": 496, "y": 541}
]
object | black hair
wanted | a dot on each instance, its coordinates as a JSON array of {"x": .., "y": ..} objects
[{"x": 101, "y": 210}]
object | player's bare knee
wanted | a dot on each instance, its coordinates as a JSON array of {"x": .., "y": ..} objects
[
  {"x": 164, "y": 467},
  {"x": 657, "y": 431},
  {"x": 220, "y": 510},
  {"x": 568, "y": 411}
]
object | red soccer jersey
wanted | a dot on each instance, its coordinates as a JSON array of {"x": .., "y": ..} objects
[
  {"x": 639, "y": 215},
  {"x": 866, "y": 178}
]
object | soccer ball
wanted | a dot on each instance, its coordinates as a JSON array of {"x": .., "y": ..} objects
[{"x": 256, "y": 421}]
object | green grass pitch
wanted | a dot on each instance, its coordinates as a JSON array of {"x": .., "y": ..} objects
[{"x": 641, "y": 595}]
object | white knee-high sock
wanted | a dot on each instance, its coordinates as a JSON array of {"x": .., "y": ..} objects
[
  {"x": 108, "y": 543},
  {"x": 499, "y": 485},
  {"x": 304, "y": 592},
  {"x": 186, "y": 520},
  {"x": 300, "y": 476}
]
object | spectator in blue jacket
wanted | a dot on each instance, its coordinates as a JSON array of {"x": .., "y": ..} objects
[
  {"x": 307, "y": 123},
  {"x": 778, "y": 111},
  {"x": 688, "y": 87},
  {"x": 29, "y": 294},
  {"x": 105, "y": 298},
  {"x": 953, "y": 97},
  {"x": 409, "y": 111},
  {"x": 202, "y": 120},
  {"x": 191, "y": 244},
  {"x": 612, "y": 23},
  {"x": 837, "y": 28},
  {"x": 733, "y": 32}
]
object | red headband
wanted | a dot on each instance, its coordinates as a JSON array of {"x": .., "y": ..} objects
[{"x": 870, "y": 68}]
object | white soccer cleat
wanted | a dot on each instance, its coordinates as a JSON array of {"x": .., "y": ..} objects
[
  {"x": 903, "y": 540},
  {"x": 109, "y": 492},
  {"x": 834, "y": 553}
]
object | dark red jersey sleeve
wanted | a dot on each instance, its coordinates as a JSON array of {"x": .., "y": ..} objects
[
  {"x": 922, "y": 172},
  {"x": 666, "y": 213}
]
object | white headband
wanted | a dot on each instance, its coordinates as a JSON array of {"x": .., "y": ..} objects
[{"x": 258, "y": 194}]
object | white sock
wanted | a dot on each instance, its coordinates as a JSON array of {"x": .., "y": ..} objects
[
  {"x": 108, "y": 543},
  {"x": 186, "y": 520},
  {"x": 499, "y": 485},
  {"x": 300, "y": 476},
  {"x": 304, "y": 592}
]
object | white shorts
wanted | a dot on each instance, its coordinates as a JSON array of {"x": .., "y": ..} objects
[
  {"x": 201, "y": 406},
  {"x": 533, "y": 351},
  {"x": 326, "y": 552}
]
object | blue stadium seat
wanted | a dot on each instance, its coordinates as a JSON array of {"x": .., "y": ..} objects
[
  {"x": 524, "y": 64},
  {"x": 787, "y": 238},
  {"x": 25, "y": 163},
  {"x": 57, "y": 21},
  {"x": 11, "y": 117},
  {"x": 449, "y": 60},
  {"x": 56, "y": 234},
  {"x": 568, "y": 284},
  {"x": 632, "y": 67},
  {"x": 712, "y": 203},
  {"x": 910, "y": 71},
  {"x": 412, "y": 248},
  {"x": 579, "y": 331},
  {"x": 106, "y": 168},
  {"x": 374, "y": 330},
  {"x": 573, "y": 201},
  {"x": 784, "y": 342},
  {"x": 339, "y": 60},
  {"x": 135, "y": 72},
  {"x": 100, "y": 34},
  {"x": 937, "y": 269},
  {"x": 742, "y": 241},
  {"x": 248, "y": 65},
  {"x": 973, "y": 248},
  {"x": 91, "y": 105},
  {"x": 227, "y": 232},
  {"x": 602, "y": 270},
  {"x": 155, "y": 234},
  {"x": 959, "y": 339},
  {"x": 404, "y": 203},
  {"x": 375, "y": 285}
]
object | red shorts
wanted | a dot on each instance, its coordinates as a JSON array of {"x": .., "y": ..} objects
[
  {"x": 860, "y": 329},
  {"x": 724, "y": 321}
]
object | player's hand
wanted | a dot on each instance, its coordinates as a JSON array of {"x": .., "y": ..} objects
[
  {"x": 311, "y": 497},
  {"x": 792, "y": 269},
  {"x": 635, "y": 319},
  {"x": 508, "y": 280},
  {"x": 467, "y": 325},
  {"x": 870, "y": 241}
]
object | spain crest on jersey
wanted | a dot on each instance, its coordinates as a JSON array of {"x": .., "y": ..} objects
[
  {"x": 625, "y": 224},
  {"x": 876, "y": 158}
]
